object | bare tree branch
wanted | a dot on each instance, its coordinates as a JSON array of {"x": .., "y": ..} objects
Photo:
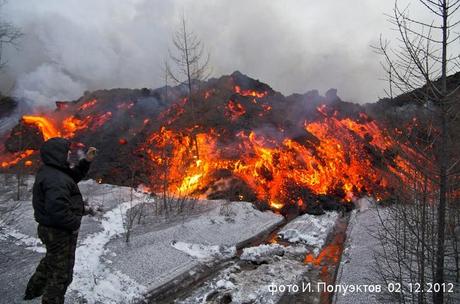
[{"x": 9, "y": 36}]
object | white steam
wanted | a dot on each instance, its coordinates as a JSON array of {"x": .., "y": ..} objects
[
  {"x": 48, "y": 83},
  {"x": 295, "y": 46}
]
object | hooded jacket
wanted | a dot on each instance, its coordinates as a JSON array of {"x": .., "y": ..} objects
[{"x": 57, "y": 200}]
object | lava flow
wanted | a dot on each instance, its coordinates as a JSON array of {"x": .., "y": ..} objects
[
  {"x": 45, "y": 125},
  {"x": 16, "y": 158},
  {"x": 52, "y": 125},
  {"x": 238, "y": 140},
  {"x": 276, "y": 169}
]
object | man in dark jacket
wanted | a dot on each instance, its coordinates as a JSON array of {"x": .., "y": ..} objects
[{"x": 58, "y": 209}]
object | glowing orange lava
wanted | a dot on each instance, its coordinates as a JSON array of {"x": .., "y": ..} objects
[
  {"x": 88, "y": 104},
  {"x": 235, "y": 110},
  {"x": 16, "y": 158},
  {"x": 67, "y": 129},
  {"x": 71, "y": 124},
  {"x": 45, "y": 125},
  {"x": 250, "y": 93},
  {"x": 125, "y": 105},
  {"x": 56, "y": 126},
  {"x": 100, "y": 120},
  {"x": 337, "y": 163},
  {"x": 330, "y": 252}
]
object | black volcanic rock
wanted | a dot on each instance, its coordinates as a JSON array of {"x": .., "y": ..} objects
[{"x": 24, "y": 137}]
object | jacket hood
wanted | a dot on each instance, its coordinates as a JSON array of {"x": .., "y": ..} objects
[{"x": 54, "y": 152}]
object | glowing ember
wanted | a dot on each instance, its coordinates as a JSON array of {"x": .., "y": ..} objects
[
  {"x": 72, "y": 124},
  {"x": 266, "y": 108},
  {"x": 208, "y": 94},
  {"x": 174, "y": 112},
  {"x": 16, "y": 158},
  {"x": 330, "y": 252},
  {"x": 100, "y": 120},
  {"x": 250, "y": 93},
  {"x": 235, "y": 110},
  {"x": 88, "y": 104},
  {"x": 276, "y": 205},
  {"x": 28, "y": 163},
  {"x": 125, "y": 105}
]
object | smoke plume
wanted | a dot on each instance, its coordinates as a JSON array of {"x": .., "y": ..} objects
[{"x": 295, "y": 46}]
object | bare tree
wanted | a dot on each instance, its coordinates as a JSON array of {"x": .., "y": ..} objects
[
  {"x": 191, "y": 66},
  {"x": 21, "y": 166},
  {"x": 8, "y": 210},
  {"x": 420, "y": 64},
  {"x": 132, "y": 212},
  {"x": 9, "y": 35},
  {"x": 171, "y": 201}
]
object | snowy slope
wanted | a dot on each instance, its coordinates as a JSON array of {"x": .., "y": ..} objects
[
  {"x": 357, "y": 264},
  {"x": 107, "y": 269},
  {"x": 248, "y": 280}
]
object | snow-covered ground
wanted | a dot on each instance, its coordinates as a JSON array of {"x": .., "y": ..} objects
[
  {"x": 262, "y": 272},
  {"x": 205, "y": 252},
  {"x": 107, "y": 269},
  {"x": 357, "y": 264},
  {"x": 310, "y": 229}
]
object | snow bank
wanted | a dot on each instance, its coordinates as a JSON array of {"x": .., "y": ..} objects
[
  {"x": 239, "y": 287},
  {"x": 253, "y": 286},
  {"x": 20, "y": 239},
  {"x": 272, "y": 265},
  {"x": 225, "y": 284},
  {"x": 205, "y": 252},
  {"x": 262, "y": 253},
  {"x": 364, "y": 203},
  {"x": 310, "y": 229}
]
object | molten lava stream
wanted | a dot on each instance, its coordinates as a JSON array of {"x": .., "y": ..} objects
[
  {"x": 328, "y": 259},
  {"x": 45, "y": 125},
  {"x": 69, "y": 125}
]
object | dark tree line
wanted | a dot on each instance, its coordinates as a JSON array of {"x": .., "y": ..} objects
[{"x": 420, "y": 244}]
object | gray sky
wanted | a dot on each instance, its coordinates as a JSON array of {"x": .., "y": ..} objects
[{"x": 295, "y": 46}]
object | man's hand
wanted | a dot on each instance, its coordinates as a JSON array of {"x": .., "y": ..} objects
[
  {"x": 92, "y": 210},
  {"x": 89, "y": 211},
  {"x": 91, "y": 154}
]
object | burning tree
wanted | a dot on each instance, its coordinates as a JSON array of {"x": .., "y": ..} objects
[
  {"x": 191, "y": 66},
  {"x": 423, "y": 60}
]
